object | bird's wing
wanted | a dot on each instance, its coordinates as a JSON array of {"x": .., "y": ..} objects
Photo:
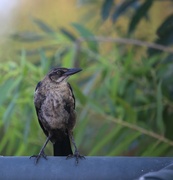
[
  {"x": 41, "y": 125},
  {"x": 38, "y": 85},
  {"x": 37, "y": 111},
  {"x": 72, "y": 93}
]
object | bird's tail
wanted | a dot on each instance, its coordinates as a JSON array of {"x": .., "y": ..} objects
[{"x": 63, "y": 147}]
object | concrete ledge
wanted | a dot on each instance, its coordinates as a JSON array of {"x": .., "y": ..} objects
[{"x": 119, "y": 168}]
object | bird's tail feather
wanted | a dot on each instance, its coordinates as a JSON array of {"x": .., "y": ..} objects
[{"x": 62, "y": 148}]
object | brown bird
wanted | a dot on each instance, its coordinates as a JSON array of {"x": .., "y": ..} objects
[{"x": 55, "y": 106}]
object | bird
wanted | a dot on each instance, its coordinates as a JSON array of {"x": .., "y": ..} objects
[{"x": 55, "y": 108}]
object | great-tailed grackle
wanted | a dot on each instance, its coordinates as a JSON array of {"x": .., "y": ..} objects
[{"x": 55, "y": 106}]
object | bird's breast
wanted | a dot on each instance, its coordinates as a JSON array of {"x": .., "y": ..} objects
[{"x": 58, "y": 108}]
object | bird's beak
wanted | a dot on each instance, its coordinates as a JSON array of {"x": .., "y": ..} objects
[{"x": 72, "y": 71}]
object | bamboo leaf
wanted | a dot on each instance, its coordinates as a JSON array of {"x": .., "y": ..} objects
[
  {"x": 159, "y": 116},
  {"x": 139, "y": 14},
  {"x": 7, "y": 87},
  {"x": 68, "y": 60},
  {"x": 122, "y": 8},
  {"x": 43, "y": 26},
  {"x": 106, "y": 8},
  {"x": 45, "y": 63},
  {"x": 68, "y": 34},
  {"x": 123, "y": 147},
  {"x": 27, "y": 37},
  {"x": 85, "y": 33},
  {"x": 104, "y": 141},
  {"x": 166, "y": 27},
  {"x": 10, "y": 109}
]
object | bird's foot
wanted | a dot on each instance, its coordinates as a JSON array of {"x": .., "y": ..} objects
[
  {"x": 37, "y": 157},
  {"x": 76, "y": 155}
]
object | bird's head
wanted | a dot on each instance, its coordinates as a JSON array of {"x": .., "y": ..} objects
[{"x": 58, "y": 75}]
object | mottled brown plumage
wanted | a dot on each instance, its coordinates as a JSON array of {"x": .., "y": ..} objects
[{"x": 55, "y": 106}]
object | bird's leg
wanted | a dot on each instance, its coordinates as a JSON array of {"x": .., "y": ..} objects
[
  {"x": 76, "y": 152},
  {"x": 41, "y": 153}
]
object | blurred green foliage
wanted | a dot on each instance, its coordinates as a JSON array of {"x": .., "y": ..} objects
[{"x": 124, "y": 103}]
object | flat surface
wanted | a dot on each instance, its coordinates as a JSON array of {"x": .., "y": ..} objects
[{"x": 119, "y": 168}]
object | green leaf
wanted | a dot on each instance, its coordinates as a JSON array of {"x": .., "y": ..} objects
[
  {"x": 29, "y": 116},
  {"x": 43, "y": 26},
  {"x": 105, "y": 140},
  {"x": 106, "y": 8},
  {"x": 21, "y": 150},
  {"x": 166, "y": 27},
  {"x": 90, "y": 83},
  {"x": 68, "y": 60},
  {"x": 159, "y": 116},
  {"x": 122, "y": 8},
  {"x": 150, "y": 149},
  {"x": 4, "y": 141},
  {"x": 166, "y": 40},
  {"x": 130, "y": 113},
  {"x": 45, "y": 63},
  {"x": 10, "y": 109},
  {"x": 85, "y": 33},
  {"x": 160, "y": 150},
  {"x": 7, "y": 87},
  {"x": 82, "y": 30},
  {"x": 123, "y": 147},
  {"x": 139, "y": 14},
  {"x": 4, "y": 89},
  {"x": 79, "y": 131},
  {"x": 95, "y": 106},
  {"x": 114, "y": 85},
  {"x": 27, "y": 37},
  {"x": 68, "y": 34},
  {"x": 81, "y": 97}
]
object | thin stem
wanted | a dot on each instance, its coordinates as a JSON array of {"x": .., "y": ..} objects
[
  {"x": 123, "y": 41},
  {"x": 135, "y": 127}
]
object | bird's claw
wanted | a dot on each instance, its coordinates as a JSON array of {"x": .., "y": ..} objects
[
  {"x": 37, "y": 157},
  {"x": 76, "y": 155}
]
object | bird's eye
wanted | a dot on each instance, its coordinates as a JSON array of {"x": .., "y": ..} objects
[
  {"x": 54, "y": 77},
  {"x": 57, "y": 76}
]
